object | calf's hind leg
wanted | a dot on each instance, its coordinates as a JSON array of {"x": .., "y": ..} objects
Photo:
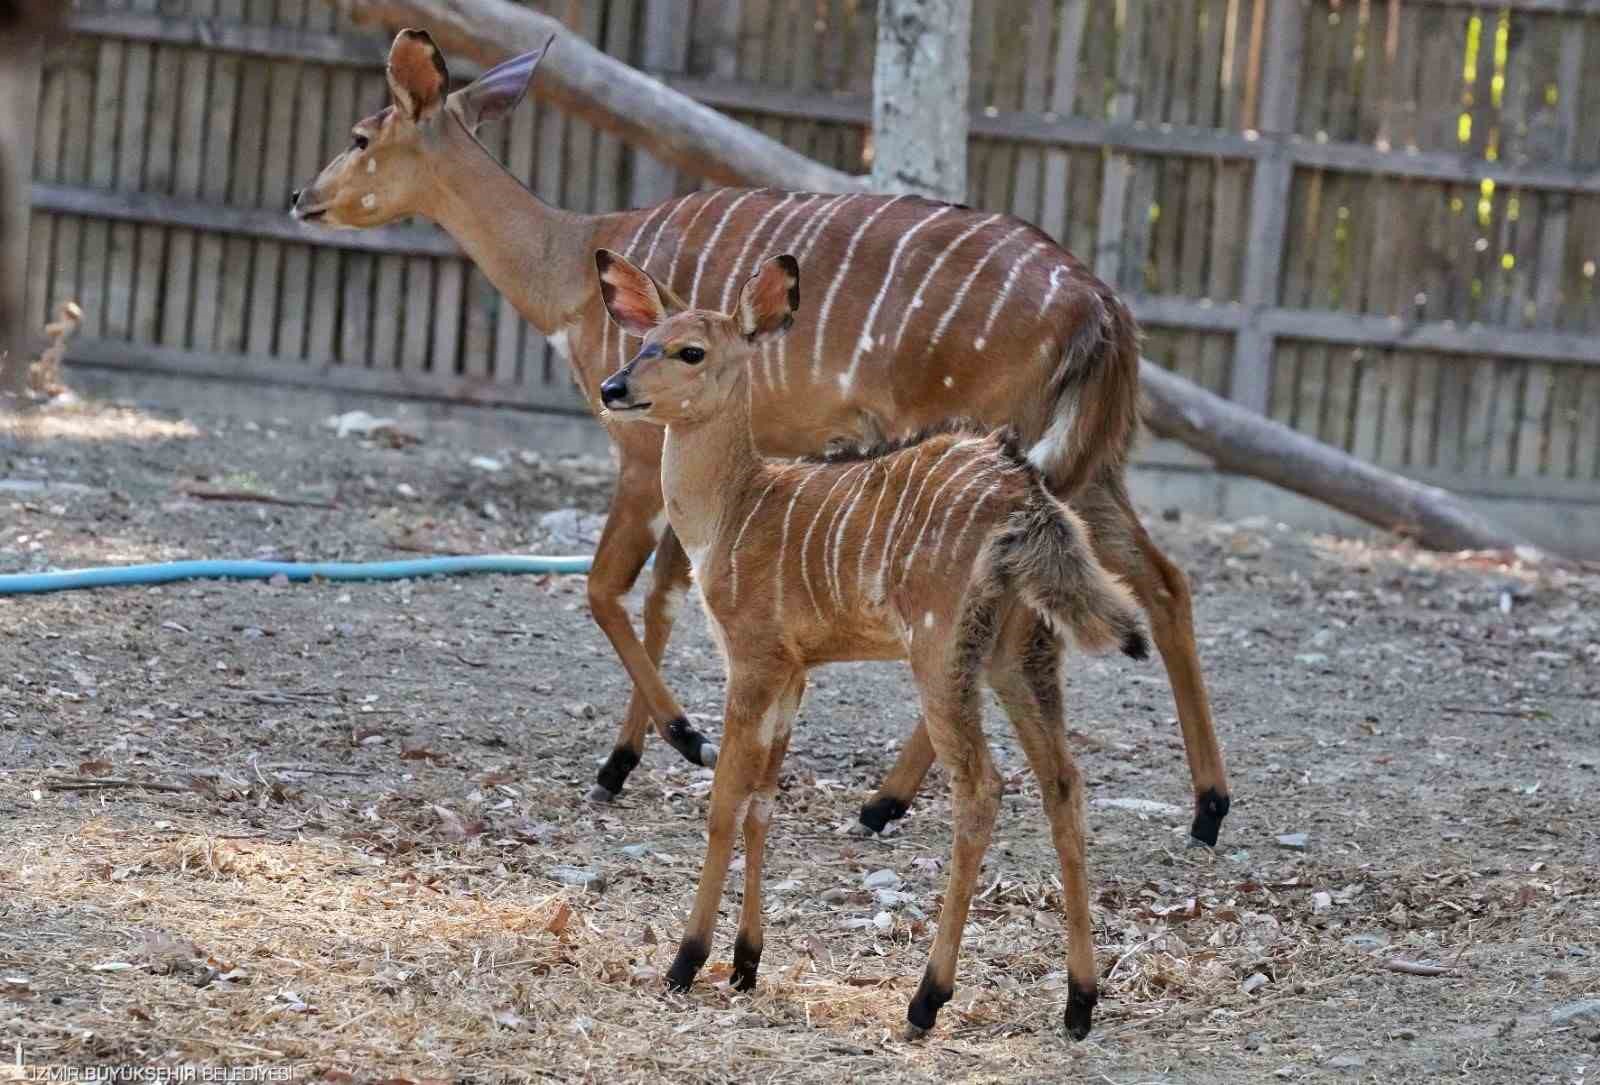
[
  {"x": 1026, "y": 677},
  {"x": 955, "y": 727}
]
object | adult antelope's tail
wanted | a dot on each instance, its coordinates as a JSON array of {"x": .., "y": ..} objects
[
  {"x": 1092, "y": 399},
  {"x": 1043, "y": 553}
]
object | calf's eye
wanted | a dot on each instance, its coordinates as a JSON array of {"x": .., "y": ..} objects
[{"x": 692, "y": 355}]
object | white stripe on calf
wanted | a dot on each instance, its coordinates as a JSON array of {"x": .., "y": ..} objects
[
  {"x": 937, "y": 542},
  {"x": 933, "y": 507},
  {"x": 733, "y": 554},
  {"x": 783, "y": 539},
  {"x": 866, "y": 540},
  {"x": 973, "y": 515},
  {"x": 933, "y": 268},
  {"x": 805, "y": 545},
  {"x": 888, "y": 539},
  {"x": 842, "y": 518},
  {"x": 839, "y": 276},
  {"x": 865, "y": 342}
]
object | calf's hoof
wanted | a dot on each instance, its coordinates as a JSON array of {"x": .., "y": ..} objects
[{"x": 1080, "y": 1010}]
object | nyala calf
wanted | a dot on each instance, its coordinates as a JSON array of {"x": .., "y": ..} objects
[{"x": 947, "y": 551}]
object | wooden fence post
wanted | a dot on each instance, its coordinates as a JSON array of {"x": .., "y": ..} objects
[
  {"x": 1119, "y": 165},
  {"x": 1269, "y": 202}
]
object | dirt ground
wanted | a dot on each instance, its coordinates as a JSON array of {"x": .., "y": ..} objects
[{"x": 368, "y": 854}]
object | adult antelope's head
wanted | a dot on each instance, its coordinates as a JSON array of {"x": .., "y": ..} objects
[
  {"x": 692, "y": 360},
  {"x": 388, "y": 171}
]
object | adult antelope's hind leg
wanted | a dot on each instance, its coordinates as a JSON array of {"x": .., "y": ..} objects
[
  {"x": 748, "y": 733},
  {"x": 1026, "y": 677},
  {"x": 1124, "y": 547},
  {"x": 894, "y": 795},
  {"x": 668, "y": 585}
]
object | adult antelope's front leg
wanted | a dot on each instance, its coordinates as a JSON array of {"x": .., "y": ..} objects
[
  {"x": 625, "y": 544},
  {"x": 748, "y": 742},
  {"x": 668, "y": 585}
]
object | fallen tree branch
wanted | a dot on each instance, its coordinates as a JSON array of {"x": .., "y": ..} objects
[{"x": 1242, "y": 441}]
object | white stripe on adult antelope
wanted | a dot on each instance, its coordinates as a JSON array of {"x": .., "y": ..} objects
[
  {"x": 977, "y": 572},
  {"x": 927, "y": 312}
]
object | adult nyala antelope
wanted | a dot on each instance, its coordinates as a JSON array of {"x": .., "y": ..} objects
[
  {"x": 926, "y": 311},
  {"x": 948, "y": 551}
]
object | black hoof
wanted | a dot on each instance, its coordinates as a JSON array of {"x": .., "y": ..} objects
[
  {"x": 691, "y": 744},
  {"x": 1135, "y": 646},
  {"x": 877, "y": 814},
  {"x": 1210, "y": 807},
  {"x": 614, "y": 773},
  {"x": 746, "y": 959},
  {"x": 1080, "y": 1010},
  {"x": 686, "y": 965},
  {"x": 925, "y": 1004}
]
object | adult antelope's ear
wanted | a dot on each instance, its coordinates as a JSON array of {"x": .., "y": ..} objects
[
  {"x": 418, "y": 78},
  {"x": 770, "y": 298},
  {"x": 632, "y": 297},
  {"x": 498, "y": 91}
]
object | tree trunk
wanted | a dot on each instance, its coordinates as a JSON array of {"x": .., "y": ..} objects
[
  {"x": 579, "y": 79},
  {"x": 919, "y": 98},
  {"x": 673, "y": 127}
]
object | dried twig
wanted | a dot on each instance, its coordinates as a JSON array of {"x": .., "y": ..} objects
[
  {"x": 1417, "y": 968},
  {"x": 88, "y": 783},
  {"x": 202, "y": 494}
]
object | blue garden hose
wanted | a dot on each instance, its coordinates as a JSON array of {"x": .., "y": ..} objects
[{"x": 167, "y": 572}]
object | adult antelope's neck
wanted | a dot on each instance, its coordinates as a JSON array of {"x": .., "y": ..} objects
[
  {"x": 705, "y": 466},
  {"x": 540, "y": 257}
]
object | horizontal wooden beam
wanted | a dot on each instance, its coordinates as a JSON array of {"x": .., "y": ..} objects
[
  {"x": 145, "y": 357},
  {"x": 162, "y": 210},
  {"x": 1443, "y": 336},
  {"x": 1044, "y": 129}
]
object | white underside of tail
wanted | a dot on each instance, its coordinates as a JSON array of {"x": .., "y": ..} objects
[{"x": 1049, "y": 449}]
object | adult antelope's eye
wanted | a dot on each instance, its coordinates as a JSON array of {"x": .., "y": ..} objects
[
  {"x": 361, "y": 143},
  {"x": 692, "y": 355}
]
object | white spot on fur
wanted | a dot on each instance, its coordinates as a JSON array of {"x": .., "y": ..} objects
[
  {"x": 949, "y": 382},
  {"x": 658, "y": 524},
  {"x": 372, "y": 165},
  {"x": 980, "y": 342},
  {"x": 683, "y": 404},
  {"x": 927, "y": 619},
  {"x": 558, "y": 343},
  {"x": 369, "y": 201},
  {"x": 865, "y": 343}
]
